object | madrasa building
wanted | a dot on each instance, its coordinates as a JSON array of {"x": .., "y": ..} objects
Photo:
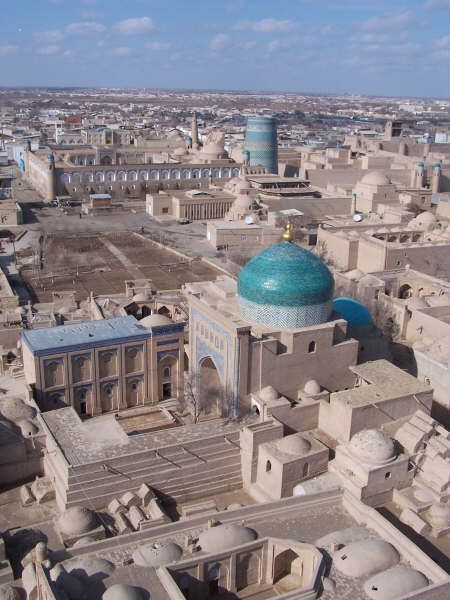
[{"x": 274, "y": 327}]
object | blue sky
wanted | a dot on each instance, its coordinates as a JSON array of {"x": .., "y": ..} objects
[{"x": 382, "y": 47}]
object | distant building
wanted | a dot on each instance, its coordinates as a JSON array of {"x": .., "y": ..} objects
[{"x": 195, "y": 205}]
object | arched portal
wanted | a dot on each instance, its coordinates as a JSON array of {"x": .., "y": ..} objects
[
  {"x": 210, "y": 388},
  {"x": 286, "y": 563},
  {"x": 405, "y": 292},
  {"x": 168, "y": 377}
]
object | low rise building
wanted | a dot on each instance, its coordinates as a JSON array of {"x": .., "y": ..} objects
[{"x": 105, "y": 365}]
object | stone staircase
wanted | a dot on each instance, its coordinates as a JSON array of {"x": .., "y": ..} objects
[{"x": 177, "y": 473}]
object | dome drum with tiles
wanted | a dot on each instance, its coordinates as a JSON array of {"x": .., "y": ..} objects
[{"x": 285, "y": 286}]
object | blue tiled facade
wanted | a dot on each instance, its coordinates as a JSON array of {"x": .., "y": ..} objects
[
  {"x": 261, "y": 142},
  {"x": 211, "y": 340}
]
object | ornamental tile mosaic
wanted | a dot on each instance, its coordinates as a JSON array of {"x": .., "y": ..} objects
[{"x": 286, "y": 275}]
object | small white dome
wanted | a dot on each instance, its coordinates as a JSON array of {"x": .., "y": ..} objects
[
  {"x": 294, "y": 444},
  {"x": 354, "y": 274},
  {"x": 234, "y": 506},
  {"x": 142, "y": 296},
  {"x": 369, "y": 280},
  {"x": 372, "y": 446},
  {"x": 157, "y": 554},
  {"x": 312, "y": 387},
  {"x": 84, "y": 567},
  {"x": 394, "y": 583},
  {"x": 269, "y": 394},
  {"x": 122, "y": 591},
  {"x": 155, "y": 320},
  {"x": 426, "y": 218},
  {"x": 362, "y": 559},
  {"x": 376, "y": 178},
  {"x": 27, "y": 428},
  {"x": 225, "y": 536},
  {"x": 77, "y": 520},
  {"x": 15, "y": 409}
]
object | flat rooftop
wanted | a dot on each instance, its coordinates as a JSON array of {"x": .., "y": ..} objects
[
  {"x": 102, "y": 438},
  {"x": 386, "y": 382},
  {"x": 89, "y": 332}
]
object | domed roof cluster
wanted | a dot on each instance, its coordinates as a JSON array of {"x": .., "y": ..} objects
[
  {"x": 294, "y": 444},
  {"x": 269, "y": 394},
  {"x": 355, "y": 313},
  {"x": 279, "y": 281},
  {"x": 398, "y": 582},
  {"x": 376, "y": 178},
  {"x": 221, "y": 537},
  {"x": 364, "y": 558},
  {"x": 155, "y": 320},
  {"x": 157, "y": 554},
  {"x": 15, "y": 409},
  {"x": 425, "y": 221},
  {"x": 77, "y": 520},
  {"x": 372, "y": 446},
  {"x": 312, "y": 387},
  {"x": 17, "y": 417}
]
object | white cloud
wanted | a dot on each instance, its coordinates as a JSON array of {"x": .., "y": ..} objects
[
  {"x": 9, "y": 49},
  {"x": 392, "y": 49},
  {"x": 48, "y": 50},
  {"x": 248, "y": 45},
  {"x": 158, "y": 46},
  {"x": 443, "y": 42},
  {"x": 437, "y": 5},
  {"x": 85, "y": 28},
  {"x": 50, "y": 37},
  {"x": 275, "y": 45},
  {"x": 122, "y": 51},
  {"x": 136, "y": 26},
  {"x": 389, "y": 21},
  {"x": 219, "y": 42},
  {"x": 265, "y": 25}
]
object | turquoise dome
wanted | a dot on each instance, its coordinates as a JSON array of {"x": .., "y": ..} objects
[
  {"x": 286, "y": 275},
  {"x": 355, "y": 313}
]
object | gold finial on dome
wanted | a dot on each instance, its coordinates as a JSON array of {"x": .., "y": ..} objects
[{"x": 288, "y": 234}]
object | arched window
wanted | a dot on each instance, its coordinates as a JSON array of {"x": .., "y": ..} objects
[
  {"x": 167, "y": 371},
  {"x": 311, "y": 347},
  {"x": 268, "y": 466}
]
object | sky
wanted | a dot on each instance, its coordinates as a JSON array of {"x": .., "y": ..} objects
[{"x": 375, "y": 47}]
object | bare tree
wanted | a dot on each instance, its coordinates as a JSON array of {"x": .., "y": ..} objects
[
  {"x": 385, "y": 320},
  {"x": 200, "y": 396},
  {"x": 321, "y": 250}
]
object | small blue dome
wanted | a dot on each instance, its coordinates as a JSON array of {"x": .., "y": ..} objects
[
  {"x": 286, "y": 275},
  {"x": 355, "y": 313}
]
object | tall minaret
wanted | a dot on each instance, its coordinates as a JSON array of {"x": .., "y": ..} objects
[
  {"x": 435, "y": 184},
  {"x": 194, "y": 132}
]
